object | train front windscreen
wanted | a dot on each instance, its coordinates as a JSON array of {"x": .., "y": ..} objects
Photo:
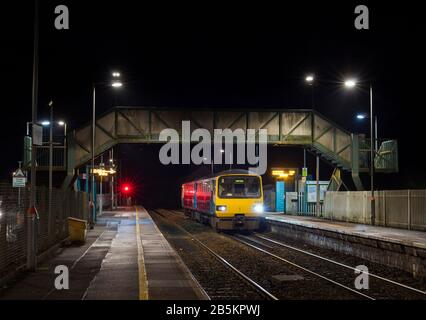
[{"x": 239, "y": 187}]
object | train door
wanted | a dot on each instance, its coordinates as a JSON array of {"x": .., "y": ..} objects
[
  {"x": 194, "y": 199},
  {"x": 212, "y": 196}
]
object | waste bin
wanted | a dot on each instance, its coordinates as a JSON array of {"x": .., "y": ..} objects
[{"x": 77, "y": 230}]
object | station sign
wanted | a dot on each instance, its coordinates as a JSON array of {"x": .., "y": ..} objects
[
  {"x": 102, "y": 172},
  {"x": 311, "y": 190},
  {"x": 19, "y": 179},
  {"x": 282, "y": 173}
]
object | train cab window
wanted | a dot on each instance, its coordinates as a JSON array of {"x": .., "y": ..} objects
[{"x": 239, "y": 187}]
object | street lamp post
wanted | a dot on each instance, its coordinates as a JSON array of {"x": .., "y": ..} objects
[
  {"x": 230, "y": 158},
  {"x": 111, "y": 161},
  {"x": 211, "y": 164},
  {"x": 310, "y": 79},
  {"x": 372, "y": 139},
  {"x": 31, "y": 250},
  {"x": 364, "y": 116},
  {"x": 49, "y": 226},
  {"x": 375, "y": 134},
  {"x": 114, "y": 84},
  {"x": 350, "y": 83},
  {"x": 92, "y": 195}
]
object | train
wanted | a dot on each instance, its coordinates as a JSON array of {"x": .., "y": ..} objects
[{"x": 229, "y": 200}]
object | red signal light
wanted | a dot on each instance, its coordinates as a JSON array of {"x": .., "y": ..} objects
[{"x": 125, "y": 188}]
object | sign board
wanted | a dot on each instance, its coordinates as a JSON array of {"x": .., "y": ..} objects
[
  {"x": 102, "y": 172},
  {"x": 280, "y": 196},
  {"x": 37, "y": 135},
  {"x": 311, "y": 190},
  {"x": 304, "y": 172},
  {"x": 19, "y": 179}
]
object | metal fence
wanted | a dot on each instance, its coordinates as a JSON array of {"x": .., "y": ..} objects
[
  {"x": 394, "y": 208},
  {"x": 302, "y": 207},
  {"x": 305, "y": 208},
  {"x": 13, "y": 225}
]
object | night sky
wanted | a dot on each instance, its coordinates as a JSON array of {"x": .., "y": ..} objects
[{"x": 209, "y": 54}]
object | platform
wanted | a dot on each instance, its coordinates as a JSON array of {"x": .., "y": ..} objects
[
  {"x": 403, "y": 249},
  {"x": 125, "y": 257}
]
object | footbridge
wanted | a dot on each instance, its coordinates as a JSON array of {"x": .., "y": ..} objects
[{"x": 305, "y": 128}]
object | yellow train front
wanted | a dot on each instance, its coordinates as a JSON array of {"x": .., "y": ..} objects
[{"x": 231, "y": 200}]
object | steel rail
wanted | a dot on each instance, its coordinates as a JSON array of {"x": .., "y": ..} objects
[
  {"x": 339, "y": 264},
  {"x": 301, "y": 267},
  {"x": 250, "y": 281}
]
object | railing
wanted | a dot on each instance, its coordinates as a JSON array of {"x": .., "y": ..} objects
[
  {"x": 385, "y": 158},
  {"x": 13, "y": 226},
  {"x": 305, "y": 208},
  {"x": 302, "y": 208}
]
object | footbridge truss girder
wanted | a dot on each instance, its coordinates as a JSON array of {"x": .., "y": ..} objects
[{"x": 285, "y": 127}]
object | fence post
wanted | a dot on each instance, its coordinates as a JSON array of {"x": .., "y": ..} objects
[{"x": 409, "y": 210}]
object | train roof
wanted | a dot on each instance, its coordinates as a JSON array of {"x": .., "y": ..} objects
[{"x": 221, "y": 173}]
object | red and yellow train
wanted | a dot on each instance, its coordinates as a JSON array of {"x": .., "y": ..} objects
[{"x": 231, "y": 200}]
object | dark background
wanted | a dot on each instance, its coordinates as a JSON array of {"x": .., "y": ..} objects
[{"x": 212, "y": 54}]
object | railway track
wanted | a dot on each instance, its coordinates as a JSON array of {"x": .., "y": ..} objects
[
  {"x": 266, "y": 242},
  {"x": 341, "y": 264},
  {"x": 316, "y": 274},
  {"x": 263, "y": 293},
  {"x": 268, "y": 246},
  {"x": 275, "y": 257}
]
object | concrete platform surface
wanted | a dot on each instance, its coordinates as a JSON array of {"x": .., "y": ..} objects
[
  {"x": 416, "y": 239},
  {"x": 125, "y": 257}
]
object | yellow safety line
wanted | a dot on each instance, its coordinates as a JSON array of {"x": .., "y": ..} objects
[{"x": 143, "y": 282}]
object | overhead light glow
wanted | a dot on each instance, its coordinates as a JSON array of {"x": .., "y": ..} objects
[
  {"x": 61, "y": 123},
  {"x": 117, "y": 84},
  {"x": 45, "y": 123},
  {"x": 309, "y": 78},
  {"x": 361, "y": 116},
  {"x": 350, "y": 83},
  {"x": 116, "y": 74}
]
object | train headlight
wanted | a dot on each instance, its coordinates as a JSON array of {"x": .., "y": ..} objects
[
  {"x": 221, "y": 208},
  {"x": 258, "y": 208}
]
